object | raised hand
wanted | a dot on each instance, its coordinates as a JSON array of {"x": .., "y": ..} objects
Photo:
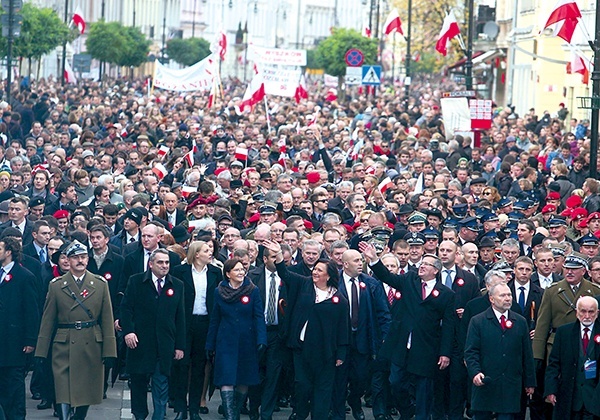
[{"x": 368, "y": 251}]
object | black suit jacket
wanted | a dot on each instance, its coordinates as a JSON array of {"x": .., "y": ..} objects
[
  {"x": 111, "y": 270},
  {"x": 301, "y": 268},
  {"x": 522, "y": 250},
  {"x": 32, "y": 252},
  {"x": 257, "y": 276},
  {"x": 534, "y": 298},
  {"x": 465, "y": 290},
  {"x": 179, "y": 218},
  {"x": 430, "y": 323},
  {"x": 27, "y": 234},
  {"x": 535, "y": 278},
  {"x": 134, "y": 264},
  {"x": 158, "y": 322},
  {"x": 564, "y": 370},
  {"x": 20, "y": 315}
]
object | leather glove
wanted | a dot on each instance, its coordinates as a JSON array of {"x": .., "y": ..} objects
[
  {"x": 261, "y": 349},
  {"x": 210, "y": 356},
  {"x": 109, "y": 362}
]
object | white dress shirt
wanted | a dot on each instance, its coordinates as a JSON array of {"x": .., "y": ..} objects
[
  {"x": 545, "y": 282},
  {"x": 155, "y": 281},
  {"x": 499, "y": 314},
  {"x": 348, "y": 284},
  {"x": 518, "y": 290},
  {"x": 200, "y": 285}
]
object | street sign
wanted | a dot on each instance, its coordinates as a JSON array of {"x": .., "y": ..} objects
[
  {"x": 354, "y": 57},
  {"x": 459, "y": 94},
  {"x": 16, "y": 4},
  {"x": 353, "y": 76},
  {"x": 82, "y": 63},
  {"x": 371, "y": 75}
]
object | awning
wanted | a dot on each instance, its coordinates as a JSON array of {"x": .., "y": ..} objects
[
  {"x": 488, "y": 56},
  {"x": 462, "y": 61}
]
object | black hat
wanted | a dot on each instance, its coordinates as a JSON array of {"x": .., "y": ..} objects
[
  {"x": 537, "y": 239},
  {"x": 12, "y": 232},
  {"x": 134, "y": 214},
  {"x": 265, "y": 175},
  {"x": 434, "y": 212},
  {"x": 54, "y": 258},
  {"x": 36, "y": 201},
  {"x": 405, "y": 209},
  {"x": 236, "y": 183},
  {"x": 180, "y": 234},
  {"x": 480, "y": 180},
  {"x": 487, "y": 242},
  {"x": 224, "y": 216}
]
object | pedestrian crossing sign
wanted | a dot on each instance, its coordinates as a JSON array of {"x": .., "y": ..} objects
[{"x": 371, "y": 75}]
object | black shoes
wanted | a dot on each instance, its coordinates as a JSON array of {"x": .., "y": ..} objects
[
  {"x": 203, "y": 410},
  {"x": 44, "y": 405},
  {"x": 358, "y": 415},
  {"x": 36, "y": 396}
]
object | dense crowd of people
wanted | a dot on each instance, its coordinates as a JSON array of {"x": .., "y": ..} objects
[{"x": 325, "y": 256}]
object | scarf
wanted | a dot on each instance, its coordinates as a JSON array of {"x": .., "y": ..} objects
[{"x": 230, "y": 295}]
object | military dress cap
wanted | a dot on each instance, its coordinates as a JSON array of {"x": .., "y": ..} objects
[
  {"x": 36, "y": 201},
  {"x": 502, "y": 266},
  {"x": 76, "y": 248},
  {"x": 576, "y": 260},
  {"x": 434, "y": 212},
  {"x": 558, "y": 250},
  {"x": 557, "y": 221},
  {"x": 549, "y": 208},
  {"x": 405, "y": 209},
  {"x": 487, "y": 242},
  {"x": 594, "y": 215},
  {"x": 588, "y": 240},
  {"x": 267, "y": 208},
  {"x": 553, "y": 196},
  {"x": 259, "y": 197},
  {"x": 451, "y": 222},
  {"x": 515, "y": 216},
  {"x": 431, "y": 233},
  {"x": 504, "y": 202},
  {"x": 414, "y": 238},
  {"x": 479, "y": 180},
  {"x": 470, "y": 223},
  {"x": 460, "y": 210},
  {"x": 520, "y": 205},
  {"x": 416, "y": 218},
  {"x": 489, "y": 217}
]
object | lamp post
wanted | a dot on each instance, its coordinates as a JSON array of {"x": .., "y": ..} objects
[
  {"x": 133, "y": 22},
  {"x": 64, "y": 49},
  {"x": 408, "y": 53},
  {"x": 164, "y": 33},
  {"x": 595, "y": 96},
  {"x": 194, "y": 19},
  {"x": 469, "y": 61}
]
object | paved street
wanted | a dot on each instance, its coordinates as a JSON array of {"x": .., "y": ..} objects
[{"x": 117, "y": 406}]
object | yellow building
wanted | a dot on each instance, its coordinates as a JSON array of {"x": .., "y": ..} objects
[{"x": 536, "y": 62}]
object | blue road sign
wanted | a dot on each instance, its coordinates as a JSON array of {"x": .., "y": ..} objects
[{"x": 371, "y": 75}]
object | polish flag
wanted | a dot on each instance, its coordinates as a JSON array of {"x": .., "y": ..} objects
[
  {"x": 393, "y": 23},
  {"x": 219, "y": 44},
  {"x": 301, "y": 90},
  {"x": 449, "y": 30},
  {"x": 254, "y": 93},
  {"x": 194, "y": 146},
  {"x": 366, "y": 32},
  {"x": 78, "y": 20},
  {"x": 69, "y": 73},
  {"x": 186, "y": 190},
  {"x": 565, "y": 17},
  {"x": 124, "y": 132},
  {"x": 579, "y": 64},
  {"x": 282, "y": 156},
  {"x": 189, "y": 158},
  {"x": 416, "y": 57},
  {"x": 212, "y": 95},
  {"x": 385, "y": 185},
  {"x": 241, "y": 153},
  {"x": 331, "y": 95},
  {"x": 160, "y": 171},
  {"x": 162, "y": 150}
]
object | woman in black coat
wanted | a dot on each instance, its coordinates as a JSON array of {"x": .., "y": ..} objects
[
  {"x": 237, "y": 336},
  {"x": 318, "y": 332}
]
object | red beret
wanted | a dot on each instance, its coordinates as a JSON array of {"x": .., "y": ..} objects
[
  {"x": 549, "y": 208},
  {"x": 553, "y": 196},
  {"x": 579, "y": 213},
  {"x": 597, "y": 234},
  {"x": 567, "y": 212},
  {"x": 573, "y": 201},
  {"x": 254, "y": 218},
  {"x": 313, "y": 177},
  {"x": 308, "y": 224},
  {"x": 594, "y": 215},
  {"x": 61, "y": 214},
  {"x": 211, "y": 199}
]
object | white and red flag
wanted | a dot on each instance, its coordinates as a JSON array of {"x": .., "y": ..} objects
[
  {"x": 69, "y": 73},
  {"x": 393, "y": 23},
  {"x": 241, "y": 153},
  {"x": 385, "y": 185},
  {"x": 78, "y": 20},
  {"x": 579, "y": 64},
  {"x": 301, "y": 90},
  {"x": 255, "y": 92},
  {"x": 160, "y": 171},
  {"x": 565, "y": 16},
  {"x": 449, "y": 30},
  {"x": 219, "y": 44}
]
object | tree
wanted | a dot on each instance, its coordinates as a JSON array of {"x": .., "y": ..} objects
[
  {"x": 106, "y": 41},
  {"x": 332, "y": 50},
  {"x": 135, "y": 51},
  {"x": 188, "y": 51}
]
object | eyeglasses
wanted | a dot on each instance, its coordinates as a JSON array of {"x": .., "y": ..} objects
[
  {"x": 322, "y": 201},
  {"x": 487, "y": 193},
  {"x": 427, "y": 264},
  {"x": 364, "y": 220}
]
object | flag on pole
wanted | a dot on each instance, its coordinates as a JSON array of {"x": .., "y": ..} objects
[
  {"x": 385, "y": 185},
  {"x": 579, "y": 64},
  {"x": 160, "y": 171},
  {"x": 189, "y": 158},
  {"x": 393, "y": 23},
  {"x": 449, "y": 30},
  {"x": 366, "y": 32},
  {"x": 565, "y": 16},
  {"x": 194, "y": 146},
  {"x": 301, "y": 90},
  {"x": 241, "y": 153},
  {"x": 69, "y": 73},
  {"x": 162, "y": 150},
  {"x": 219, "y": 44},
  {"x": 186, "y": 190},
  {"x": 212, "y": 94},
  {"x": 254, "y": 93},
  {"x": 78, "y": 20}
]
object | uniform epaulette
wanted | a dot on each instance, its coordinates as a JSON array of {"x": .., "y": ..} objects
[
  {"x": 99, "y": 277},
  {"x": 597, "y": 286},
  {"x": 55, "y": 279},
  {"x": 552, "y": 285}
]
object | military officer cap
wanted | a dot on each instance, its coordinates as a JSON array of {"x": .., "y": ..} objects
[
  {"x": 588, "y": 240},
  {"x": 520, "y": 205},
  {"x": 460, "y": 210},
  {"x": 576, "y": 260},
  {"x": 451, "y": 222},
  {"x": 267, "y": 208},
  {"x": 258, "y": 197},
  {"x": 503, "y": 266},
  {"x": 76, "y": 248},
  {"x": 415, "y": 238},
  {"x": 417, "y": 218},
  {"x": 434, "y": 212},
  {"x": 489, "y": 217},
  {"x": 504, "y": 202},
  {"x": 557, "y": 221},
  {"x": 36, "y": 201},
  {"x": 594, "y": 215},
  {"x": 431, "y": 233},
  {"x": 515, "y": 216},
  {"x": 470, "y": 223},
  {"x": 558, "y": 250}
]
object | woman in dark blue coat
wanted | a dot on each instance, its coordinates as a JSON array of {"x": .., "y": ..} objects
[{"x": 237, "y": 336}]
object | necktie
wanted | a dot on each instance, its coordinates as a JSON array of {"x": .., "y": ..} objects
[
  {"x": 2, "y": 272},
  {"x": 522, "y": 298},
  {"x": 503, "y": 322},
  {"x": 131, "y": 240},
  {"x": 390, "y": 295},
  {"x": 423, "y": 290},
  {"x": 79, "y": 281},
  {"x": 402, "y": 271},
  {"x": 159, "y": 286},
  {"x": 575, "y": 288},
  {"x": 448, "y": 282},
  {"x": 586, "y": 339},
  {"x": 42, "y": 256},
  {"x": 354, "y": 312},
  {"x": 148, "y": 260},
  {"x": 271, "y": 304}
]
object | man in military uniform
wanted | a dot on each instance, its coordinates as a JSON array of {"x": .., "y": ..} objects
[
  {"x": 558, "y": 303},
  {"x": 78, "y": 314}
]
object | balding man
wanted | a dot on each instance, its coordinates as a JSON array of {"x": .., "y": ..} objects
[
  {"x": 174, "y": 215},
  {"x": 369, "y": 320},
  {"x": 574, "y": 357},
  {"x": 471, "y": 262},
  {"x": 229, "y": 237}
]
